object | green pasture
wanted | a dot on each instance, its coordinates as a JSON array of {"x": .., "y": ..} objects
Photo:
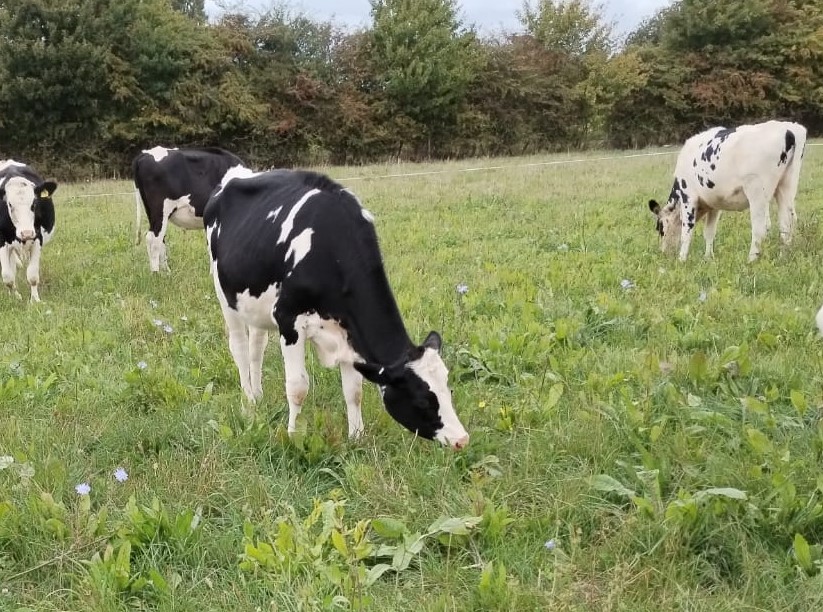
[{"x": 655, "y": 444}]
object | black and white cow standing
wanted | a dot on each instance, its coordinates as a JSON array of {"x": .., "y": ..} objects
[
  {"x": 733, "y": 169},
  {"x": 174, "y": 185},
  {"x": 26, "y": 223},
  {"x": 296, "y": 252}
]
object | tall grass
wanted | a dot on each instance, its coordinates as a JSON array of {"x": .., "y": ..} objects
[{"x": 654, "y": 444}]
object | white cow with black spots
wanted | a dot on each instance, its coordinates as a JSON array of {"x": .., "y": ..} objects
[
  {"x": 733, "y": 169},
  {"x": 26, "y": 223}
]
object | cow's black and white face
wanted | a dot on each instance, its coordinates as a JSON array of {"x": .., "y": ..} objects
[
  {"x": 416, "y": 394},
  {"x": 20, "y": 196},
  {"x": 667, "y": 224}
]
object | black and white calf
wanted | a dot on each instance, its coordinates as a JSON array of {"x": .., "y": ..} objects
[
  {"x": 26, "y": 223},
  {"x": 733, "y": 169},
  {"x": 174, "y": 185},
  {"x": 296, "y": 252}
]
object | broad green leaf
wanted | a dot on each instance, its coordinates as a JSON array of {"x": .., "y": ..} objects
[
  {"x": 698, "y": 366},
  {"x": 803, "y": 554},
  {"x": 455, "y": 526},
  {"x": 607, "y": 484},
  {"x": 374, "y": 573},
  {"x": 339, "y": 542},
  {"x": 754, "y": 405},
  {"x": 158, "y": 581},
  {"x": 799, "y": 402},
  {"x": 759, "y": 441},
  {"x": 555, "y": 393},
  {"x": 389, "y": 528}
]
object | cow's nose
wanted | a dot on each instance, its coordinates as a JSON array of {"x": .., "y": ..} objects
[
  {"x": 461, "y": 443},
  {"x": 27, "y": 235}
]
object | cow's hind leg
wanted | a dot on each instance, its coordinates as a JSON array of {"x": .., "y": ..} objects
[
  {"x": 33, "y": 271},
  {"x": 297, "y": 379},
  {"x": 239, "y": 347},
  {"x": 710, "y": 231},
  {"x": 353, "y": 392},
  {"x": 156, "y": 242},
  {"x": 785, "y": 195},
  {"x": 759, "y": 212},
  {"x": 258, "y": 339},
  {"x": 8, "y": 265}
]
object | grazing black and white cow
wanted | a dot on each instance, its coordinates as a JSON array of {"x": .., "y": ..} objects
[
  {"x": 26, "y": 223},
  {"x": 296, "y": 252},
  {"x": 733, "y": 169},
  {"x": 174, "y": 185}
]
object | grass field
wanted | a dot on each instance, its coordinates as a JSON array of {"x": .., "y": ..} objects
[{"x": 656, "y": 447}]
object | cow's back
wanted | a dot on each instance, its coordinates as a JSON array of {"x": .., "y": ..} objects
[
  {"x": 717, "y": 162},
  {"x": 182, "y": 172}
]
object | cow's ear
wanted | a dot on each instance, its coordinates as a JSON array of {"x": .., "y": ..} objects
[
  {"x": 46, "y": 189},
  {"x": 433, "y": 341},
  {"x": 379, "y": 375},
  {"x": 654, "y": 207}
]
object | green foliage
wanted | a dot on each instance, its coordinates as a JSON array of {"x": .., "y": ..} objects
[{"x": 421, "y": 61}]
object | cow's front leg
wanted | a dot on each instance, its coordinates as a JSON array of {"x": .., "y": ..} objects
[
  {"x": 687, "y": 221},
  {"x": 353, "y": 392},
  {"x": 33, "y": 271},
  {"x": 297, "y": 379},
  {"x": 258, "y": 339},
  {"x": 8, "y": 267}
]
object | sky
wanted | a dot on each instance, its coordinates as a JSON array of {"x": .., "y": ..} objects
[{"x": 488, "y": 15}]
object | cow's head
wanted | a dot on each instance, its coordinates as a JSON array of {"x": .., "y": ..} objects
[
  {"x": 667, "y": 224},
  {"x": 21, "y": 196},
  {"x": 416, "y": 394}
]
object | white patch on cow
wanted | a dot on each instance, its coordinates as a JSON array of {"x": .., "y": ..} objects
[
  {"x": 273, "y": 214},
  {"x": 431, "y": 369},
  {"x": 819, "y": 320},
  {"x": 8, "y": 163},
  {"x": 300, "y": 246},
  {"x": 159, "y": 153},
  {"x": 235, "y": 172},
  {"x": 330, "y": 340},
  {"x": 258, "y": 311},
  {"x": 20, "y": 199},
  {"x": 181, "y": 213},
  {"x": 288, "y": 224}
]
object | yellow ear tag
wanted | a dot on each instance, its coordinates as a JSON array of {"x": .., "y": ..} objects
[{"x": 44, "y": 193}]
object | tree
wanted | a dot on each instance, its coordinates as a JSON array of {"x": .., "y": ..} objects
[
  {"x": 193, "y": 8},
  {"x": 573, "y": 27},
  {"x": 423, "y": 64}
]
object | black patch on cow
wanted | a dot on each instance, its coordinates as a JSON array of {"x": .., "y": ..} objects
[
  {"x": 694, "y": 163},
  {"x": 700, "y": 180},
  {"x": 790, "y": 144},
  {"x": 194, "y": 172},
  {"x": 43, "y": 207},
  {"x": 709, "y": 183},
  {"x": 683, "y": 183},
  {"x": 712, "y": 167},
  {"x": 724, "y": 133},
  {"x": 690, "y": 218}
]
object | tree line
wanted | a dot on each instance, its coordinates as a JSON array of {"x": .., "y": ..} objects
[{"x": 85, "y": 84}]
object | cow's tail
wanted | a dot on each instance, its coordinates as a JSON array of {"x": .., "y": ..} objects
[{"x": 138, "y": 214}]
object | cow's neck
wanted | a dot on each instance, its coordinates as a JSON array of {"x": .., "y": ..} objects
[{"x": 374, "y": 323}]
